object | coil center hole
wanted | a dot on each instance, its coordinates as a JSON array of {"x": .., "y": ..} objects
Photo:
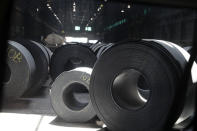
[
  {"x": 76, "y": 96},
  {"x": 130, "y": 90}
]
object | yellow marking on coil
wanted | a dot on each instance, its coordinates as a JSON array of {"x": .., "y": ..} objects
[
  {"x": 86, "y": 78},
  {"x": 14, "y": 55}
]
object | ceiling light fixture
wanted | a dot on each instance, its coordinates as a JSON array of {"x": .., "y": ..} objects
[
  {"x": 74, "y": 7},
  {"x": 129, "y": 6}
]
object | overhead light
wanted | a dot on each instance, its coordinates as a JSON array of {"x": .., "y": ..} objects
[
  {"x": 92, "y": 41},
  {"x": 37, "y": 9},
  {"x": 74, "y": 7},
  {"x": 77, "y": 27},
  {"x": 129, "y": 6},
  {"x": 101, "y": 5},
  {"x": 88, "y": 28},
  {"x": 48, "y": 5},
  {"x": 105, "y": 0},
  {"x": 91, "y": 19},
  {"x": 122, "y": 11},
  {"x": 77, "y": 39}
]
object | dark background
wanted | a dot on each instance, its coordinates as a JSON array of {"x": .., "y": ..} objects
[{"x": 32, "y": 19}]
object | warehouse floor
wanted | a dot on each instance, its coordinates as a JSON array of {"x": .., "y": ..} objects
[
  {"x": 32, "y": 122},
  {"x": 36, "y": 114}
]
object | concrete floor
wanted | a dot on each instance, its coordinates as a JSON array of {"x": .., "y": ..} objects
[
  {"x": 36, "y": 114},
  {"x": 32, "y": 122}
]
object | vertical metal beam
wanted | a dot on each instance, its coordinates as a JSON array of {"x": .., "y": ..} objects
[{"x": 5, "y": 11}]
